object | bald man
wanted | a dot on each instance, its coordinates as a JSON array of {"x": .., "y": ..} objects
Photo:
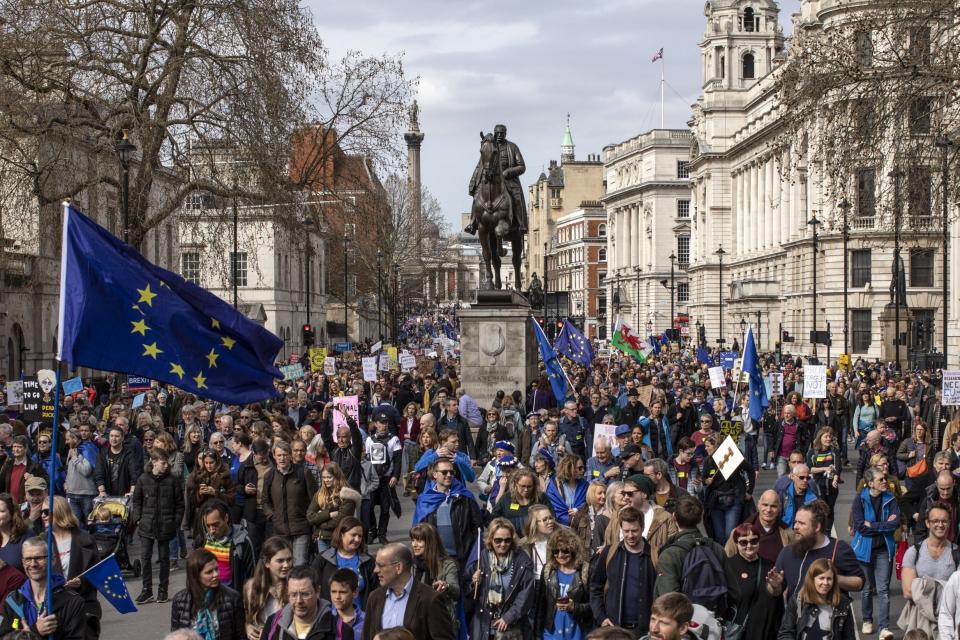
[{"x": 774, "y": 534}]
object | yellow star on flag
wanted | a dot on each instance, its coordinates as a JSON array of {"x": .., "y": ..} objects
[
  {"x": 151, "y": 350},
  {"x": 137, "y": 307},
  {"x": 212, "y": 358},
  {"x": 146, "y": 295},
  {"x": 200, "y": 380},
  {"x": 214, "y": 323},
  {"x": 177, "y": 369},
  {"x": 228, "y": 342},
  {"x": 140, "y": 327}
]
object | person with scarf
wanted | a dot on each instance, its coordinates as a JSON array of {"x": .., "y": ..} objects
[
  {"x": 567, "y": 490},
  {"x": 501, "y": 587},
  {"x": 26, "y": 608},
  {"x": 80, "y": 487},
  {"x": 489, "y": 477},
  {"x": 491, "y": 433},
  {"x": 434, "y": 568},
  {"x": 213, "y": 611},
  {"x": 448, "y": 505}
]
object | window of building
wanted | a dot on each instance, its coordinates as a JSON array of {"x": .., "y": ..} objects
[
  {"x": 554, "y": 193},
  {"x": 723, "y": 66},
  {"x": 861, "y": 321},
  {"x": 190, "y": 266},
  {"x": 919, "y": 51},
  {"x": 865, "y": 48},
  {"x": 919, "y": 193},
  {"x": 748, "y": 67},
  {"x": 602, "y": 279},
  {"x": 920, "y": 112},
  {"x": 198, "y": 202},
  {"x": 683, "y": 208},
  {"x": 602, "y": 230},
  {"x": 921, "y": 268},
  {"x": 861, "y": 268},
  {"x": 865, "y": 116},
  {"x": 683, "y": 292},
  {"x": 923, "y": 328},
  {"x": 866, "y": 193},
  {"x": 749, "y": 20},
  {"x": 683, "y": 169},
  {"x": 238, "y": 263},
  {"x": 683, "y": 251},
  {"x": 602, "y": 255}
]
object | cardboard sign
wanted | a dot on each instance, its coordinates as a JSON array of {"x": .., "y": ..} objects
[
  {"x": 728, "y": 457},
  {"x": 72, "y": 386},
  {"x": 732, "y": 428},
  {"x": 369, "y": 369},
  {"x": 717, "y": 378},
  {"x": 776, "y": 384},
  {"x": 814, "y": 381},
  {"x": 606, "y": 433},
  {"x": 292, "y": 371},
  {"x": 14, "y": 392},
  {"x": 139, "y": 383},
  {"x": 348, "y": 405},
  {"x": 317, "y": 357},
  {"x": 408, "y": 361},
  {"x": 376, "y": 346},
  {"x": 951, "y": 388},
  {"x": 394, "y": 359},
  {"x": 38, "y": 405},
  {"x": 330, "y": 366},
  {"x": 383, "y": 363}
]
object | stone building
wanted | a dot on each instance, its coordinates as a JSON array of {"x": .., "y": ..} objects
[
  {"x": 647, "y": 200},
  {"x": 755, "y": 196}
]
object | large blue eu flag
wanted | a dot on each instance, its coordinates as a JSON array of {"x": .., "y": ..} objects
[
  {"x": 574, "y": 344},
  {"x": 751, "y": 366},
  {"x": 558, "y": 379},
  {"x": 119, "y": 312}
]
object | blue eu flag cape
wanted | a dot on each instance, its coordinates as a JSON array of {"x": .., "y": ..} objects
[
  {"x": 106, "y": 577},
  {"x": 751, "y": 366},
  {"x": 558, "y": 379},
  {"x": 119, "y": 312},
  {"x": 574, "y": 345}
]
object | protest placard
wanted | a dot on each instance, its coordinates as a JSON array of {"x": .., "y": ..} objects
[
  {"x": 14, "y": 392},
  {"x": 383, "y": 362},
  {"x": 605, "y": 433},
  {"x": 72, "y": 386},
  {"x": 376, "y": 346},
  {"x": 814, "y": 381},
  {"x": 407, "y": 361},
  {"x": 330, "y": 366},
  {"x": 318, "y": 356},
  {"x": 951, "y": 388},
  {"x": 348, "y": 405},
  {"x": 369, "y": 369},
  {"x": 717, "y": 378},
  {"x": 292, "y": 371},
  {"x": 776, "y": 384},
  {"x": 728, "y": 457}
]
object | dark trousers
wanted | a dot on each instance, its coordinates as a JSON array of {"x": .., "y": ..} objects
[
  {"x": 257, "y": 530},
  {"x": 146, "y": 556},
  {"x": 381, "y": 498}
]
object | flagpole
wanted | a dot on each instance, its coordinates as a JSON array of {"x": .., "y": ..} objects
[
  {"x": 52, "y": 474},
  {"x": 662, "y": 81}
]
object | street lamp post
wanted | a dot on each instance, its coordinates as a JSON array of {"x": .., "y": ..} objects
[
  {"x": 845, "y": 229},
  {"x": 636, "y": 300},
  {"x": 546, "y": 286},
  {"x": 380, "y": 294},
  {"x": 814, "y": 223},
  {"x": 896, "y": 174},
  {"x": 743, "y": 331},
  {"x": 697, "y": 323},
  {"x": 720, "y": 253},
  {"x": 125, "y": 150},
  {"x": 945, "y": 143},
  {"x": 673, "y": 296},
  {"x": 346, "y": 270},
  {"x": 396, "y": 301}
]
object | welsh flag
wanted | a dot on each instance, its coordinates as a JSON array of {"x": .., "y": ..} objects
[{"x": 625, "y": 340}]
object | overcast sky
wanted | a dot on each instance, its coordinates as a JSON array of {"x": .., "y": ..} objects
[{"x": 527, "y": 64}]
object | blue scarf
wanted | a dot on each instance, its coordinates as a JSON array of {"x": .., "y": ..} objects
[
  {"x": 30, "y": 611},
  {"x": 431, "y": 499}
]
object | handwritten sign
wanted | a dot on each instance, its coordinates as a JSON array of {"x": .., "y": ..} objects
[
  {"x": 330, "y": 366},
  {"x": 605, "y": 433},
  {"x": 292, "y": 371},
  {"x": 814, "y": 381},
  {"x": 951, "y": 387},
  {"x": 728, "y": 457},
  {"x": 14, "y": 392},
  {"x": 717, "y": 379},
  {"x": 732, "y": 428},
  {"x": 408, "y": 361},
  {"x": 369, "y": 369}
]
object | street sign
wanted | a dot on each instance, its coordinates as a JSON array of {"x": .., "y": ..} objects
[{"x": 340, "y": 347}]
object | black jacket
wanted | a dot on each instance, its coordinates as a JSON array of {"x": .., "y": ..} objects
[
  {"x": 607, "y": 583},
  {"x": 286, "y": 499},
  {"x": 158, "y": 506},
  {"x": 347, "y": 459},
  {"x": 72, "y": 623},
  {"x": 230, "y": 615},
  {"x": 34, "y": 468},
  {"x": 247, "y": 474},
  {"x": 242, "y": 557},
  {"x": 326, "y": 563},
  {"x": 517, "y": 598},
  {"x": 83, "y": 555},
  {"x": 578, "y": 592},
  {"x": 127, "y": 474},
  {"x": 466, "y": 518},
  {"x": 277, "y": 626},
  {"x": 794, "y": 626},
  {"x": 803, "y": 437}
]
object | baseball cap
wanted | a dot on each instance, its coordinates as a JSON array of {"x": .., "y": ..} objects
[
  {"x": 623, "y": 430},
  {"x": 381, "y": 416},
  {"x": 630, "y": 450},
  {"x": 35, "y": 484}
]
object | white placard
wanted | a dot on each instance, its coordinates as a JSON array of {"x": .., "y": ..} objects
[
  {"x": 408, "y": 361},
  {"x": 15, "y": 392},
  {"x": 607, "y": 432},
  {"x": 951, "y": 388},
  {"x": 330, "y": 366},
  {"x": 814, "y": 381},
  {"x": 376, "y": 346},
  {"x": 776, "y": 383},
  {"x": 728, "y": 457},
  {"x": 717, "y": 378},
  {"x": 369, "y": 369},
  {"x": 384, "y": 362}
]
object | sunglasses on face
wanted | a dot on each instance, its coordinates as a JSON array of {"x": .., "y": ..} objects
[
  {"x": 444, "y": 472},
  {"x": 561, "y": 552},
  {"x": 502, "y": 540},
  {"x": 748, "y": 542}
]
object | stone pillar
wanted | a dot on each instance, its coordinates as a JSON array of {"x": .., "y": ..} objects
[
  {"x": 637, "y": 236},
  {"x": 778, "y": 199},
  {"x": 736, "y": 207},
  {"x": 757, "y": 213},
  {"x": 414, "y": 138},
  {"x": 750, "y": 220},
  {"x": 762, "y": 204}
]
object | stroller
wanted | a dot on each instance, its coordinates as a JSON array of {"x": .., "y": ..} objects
[{"x": 107, "y": 524}]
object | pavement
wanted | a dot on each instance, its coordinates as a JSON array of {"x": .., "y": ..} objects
[{"x": 153, "y": 620}]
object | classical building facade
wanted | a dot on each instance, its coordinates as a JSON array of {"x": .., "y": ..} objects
[
  {"x": 647, "y": 201},
  {"x": 557, "y": 192},
  {"x": 755, "y": 196},
  {"x": 577, "y": 265}
]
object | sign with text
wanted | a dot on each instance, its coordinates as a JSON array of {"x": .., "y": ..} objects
[
  {"x": 732, "y": 428},
  {"x": 814, "y": 381},
  {"x": 330, "y": 366},
  {"x": 345, "y": 405},
  {"x": 408, "y": 361},
  {"x": 292, "y": 371},
  {"x": 951, "y": 387},
  {"x": 317, "y": 357},
  {"x": 606, "y": 433},
  {"x": 717, "y": 379},
  {"x": 376, "y": 346},
  {"x": 383, "y": 362},
  {"x": 340, "y": 347},
  {"x": 72, "y": 386},
  {"x": 138, "y": 383},
  {"x": 38, "y": 405},
  {"x": 369, "y": 369}
]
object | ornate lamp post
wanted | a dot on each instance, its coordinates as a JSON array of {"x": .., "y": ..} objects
[
  {"x": 125, "y": 150},
  {"x": 720, "y": 253},
  {"x": 814, "y": 223},
  {"x": 845, "y": 230}
]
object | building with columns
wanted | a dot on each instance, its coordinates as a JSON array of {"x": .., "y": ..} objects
[
  {"x": 756, "y": 192},
  {"x": 647, "y": 200},
  {"x": 558, "y": 191}
]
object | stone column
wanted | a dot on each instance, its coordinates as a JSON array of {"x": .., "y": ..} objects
[
  {"x": 778, "y": 199},
  {"x": 757, "y": 212},
  {"x": 751, "y": 212},
  {"x": 762, "y": 204},
  {"x": 637, "y": 235},
  {"x": 737, "y": 227}
]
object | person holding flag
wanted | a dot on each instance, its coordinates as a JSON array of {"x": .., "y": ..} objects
[
  {"x": 629, "y": 343},
  {"x": 573, "y": 344},
  {"x": 751, "y": 366},
  {"x": 558, "y": 378}
]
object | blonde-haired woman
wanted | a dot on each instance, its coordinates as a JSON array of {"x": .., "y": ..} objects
[
  {"x": 335, "y": 500},
  {"x": 539, "y": 527},
  {"x": 501, "y": 586}
]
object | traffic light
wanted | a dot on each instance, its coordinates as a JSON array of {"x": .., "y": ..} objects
[
  {"x": 787, "y": 337},
  {"x": 307, "y": 335},
  {"x": 559, "y": 325}
]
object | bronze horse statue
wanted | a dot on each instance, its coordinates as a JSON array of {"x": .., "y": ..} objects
[{"x": 493, "y": 208}]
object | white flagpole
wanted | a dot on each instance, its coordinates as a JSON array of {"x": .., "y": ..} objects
[{"x": 662, "y": 81}]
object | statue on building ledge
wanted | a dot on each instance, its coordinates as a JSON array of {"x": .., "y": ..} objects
[
  {"x": 898, "y": 283},
  {"x": 535, "y": 292}
]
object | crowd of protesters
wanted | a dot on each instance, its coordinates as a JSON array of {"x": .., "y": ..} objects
[{"x": 520, "y": 523}]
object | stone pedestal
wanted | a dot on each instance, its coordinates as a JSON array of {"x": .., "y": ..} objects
[
  {"x": 888, "y": 332},
  {"x": 498, "y": 349}
]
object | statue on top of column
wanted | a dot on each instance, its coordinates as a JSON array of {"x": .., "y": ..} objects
[{"x": 898, "y": 283}]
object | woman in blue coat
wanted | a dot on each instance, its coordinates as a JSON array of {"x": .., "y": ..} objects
[
  {"x": 875, "y": 518},
  {"x": 567, "y": 489}
]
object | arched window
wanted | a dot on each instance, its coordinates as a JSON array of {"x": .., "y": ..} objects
[
  {"x": 748, "y": 70},
  {"x": 602, "y": 231},
  {"x": 602, "y": 255},
  {"x": 748, "y": 20}
]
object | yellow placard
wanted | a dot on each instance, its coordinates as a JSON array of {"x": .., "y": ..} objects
[{"x": 317, "y": 356}]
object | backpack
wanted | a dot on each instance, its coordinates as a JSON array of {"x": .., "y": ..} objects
[{"x": 704, "y": 580}]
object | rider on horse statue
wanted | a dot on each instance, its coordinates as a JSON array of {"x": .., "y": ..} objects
[{"x": 511, "y": 167}]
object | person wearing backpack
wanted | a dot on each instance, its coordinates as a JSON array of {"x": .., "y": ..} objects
[
  {"x": 933, "y": 560},
  {"x": 695, "y": 565},
  {"x": 622, "y": 577}
]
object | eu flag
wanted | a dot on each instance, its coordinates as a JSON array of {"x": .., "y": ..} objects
[
  {"x": 574, "y": 345},
  {"x": 106, "y": 577},
  {"x": 751, "y": 366},
  {"x": 119, "y": 312},
  {"x": 703, "y": 357},
  {"x": 558, "y": 379}
]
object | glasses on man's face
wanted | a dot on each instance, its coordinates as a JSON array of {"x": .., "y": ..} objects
[
  {"x": 939, "y": 523},
  {"x": 748, "y": 542},
  {"x": 444, "y": 472},
  {"x": 803, "y": 477},
  {"x": 34, "y": 559},
  {"x": 627, "y": 494},
  {"x": 502, "y": 540}
]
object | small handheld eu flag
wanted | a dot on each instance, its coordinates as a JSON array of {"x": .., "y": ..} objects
[{"x": 106, "y": 577}]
